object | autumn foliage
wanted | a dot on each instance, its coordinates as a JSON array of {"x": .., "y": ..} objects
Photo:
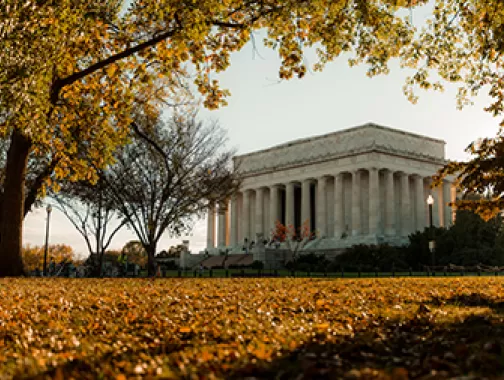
[
  {"x": 33, "y": 256},
  {"x": 284, "y": 233},
  {"x": 251, "y": 328}
]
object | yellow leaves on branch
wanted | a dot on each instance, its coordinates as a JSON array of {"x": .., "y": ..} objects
[{"x": 463, "y": 43}]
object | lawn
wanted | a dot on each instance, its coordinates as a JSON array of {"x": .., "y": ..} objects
[{"x": 397, "y": 328}]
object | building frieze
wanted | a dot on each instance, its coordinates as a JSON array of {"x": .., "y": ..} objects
[{"x": 351, "y": 142}]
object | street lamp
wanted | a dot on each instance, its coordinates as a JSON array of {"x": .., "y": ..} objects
[
  {"x": 48, "y": 209},
  {"x": 432, "y": 242}
]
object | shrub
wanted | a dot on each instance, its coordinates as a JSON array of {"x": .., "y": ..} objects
[
  {"x": 169, "y": 265},
  {"x": 370, "y": 258},
  {"x": 257, "y": 265},
  {"x": 309, "y": 262}
]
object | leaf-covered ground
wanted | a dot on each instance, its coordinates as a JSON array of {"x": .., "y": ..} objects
[{"x": 428, "y": 328}]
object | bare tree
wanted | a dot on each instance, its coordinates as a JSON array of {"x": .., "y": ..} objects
[
  {"x": 90, "y": 209},
  {"x": 168, "y": 176}
]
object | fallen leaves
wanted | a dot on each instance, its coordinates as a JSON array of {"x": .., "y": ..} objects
[{"x": 232, "y": 328}]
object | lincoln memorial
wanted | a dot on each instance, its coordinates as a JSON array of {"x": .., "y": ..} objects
[{"x": 366, "y": 184}]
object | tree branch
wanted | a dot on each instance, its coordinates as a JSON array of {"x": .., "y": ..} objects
[
  {"x": 31, "y": 197},
  {"x": 59, "y": 84}
]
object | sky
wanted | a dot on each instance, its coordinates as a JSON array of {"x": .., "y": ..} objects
[{"x": 263, "y": 112}]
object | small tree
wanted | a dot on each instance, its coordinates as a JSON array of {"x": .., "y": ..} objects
[
  {"x": 91, "y": 211},
  {"x": 294, "y": 238}
]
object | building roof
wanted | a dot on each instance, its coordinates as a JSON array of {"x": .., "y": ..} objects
[{"x": 340, "y": 132}]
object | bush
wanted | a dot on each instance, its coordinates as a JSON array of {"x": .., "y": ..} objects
[
  {"x": 169, "y": 265},
  {"x": 469, "y": 242},
  {"x": 370, "y": 258},
  {"x": 309, "y": 262},
  {"x": 257, "y": 265}
]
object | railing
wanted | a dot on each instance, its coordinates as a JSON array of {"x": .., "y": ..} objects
[{"x": 428, "y": 272}]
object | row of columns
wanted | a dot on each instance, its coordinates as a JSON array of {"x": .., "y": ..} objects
[{"x": 400, "y": 225}]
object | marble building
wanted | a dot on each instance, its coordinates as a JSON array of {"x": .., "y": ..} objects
[{"x": 366, "y": 184}]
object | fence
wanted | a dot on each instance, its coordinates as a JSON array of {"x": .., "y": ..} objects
[{"x": 227, "y": 273}]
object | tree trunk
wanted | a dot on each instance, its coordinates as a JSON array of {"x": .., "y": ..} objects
[
  {"x": 100, "y": 263},
  {"x": 12, "y": 213},
  {"x": 151, "y": 261}
]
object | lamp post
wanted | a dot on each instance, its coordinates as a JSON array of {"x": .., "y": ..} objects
[
  {"x": 48, "y": 209},
  {"x": 432, "y": 242}
]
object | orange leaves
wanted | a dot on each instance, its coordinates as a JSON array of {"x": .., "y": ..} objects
[
  {"x": 123, "y": 328},
  {"x": 111, "y": 70},
  {"x": 280, "y": 232},
  {"x": 322, "y": 326},
  {"x": 289, "y": 233},
  {"x": 33, "y": 256},
  {"x": 262, "y": 352}
]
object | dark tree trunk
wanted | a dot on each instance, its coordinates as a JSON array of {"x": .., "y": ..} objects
[
  {"x": 100, "y": 263},
  {"x": 12, "y": 212},
  {"x": 151, "y": 261}
]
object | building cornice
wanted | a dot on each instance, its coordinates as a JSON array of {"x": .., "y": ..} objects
[
  {"x": 376, "y": 149},
  {"x": 349, "y": 142}
]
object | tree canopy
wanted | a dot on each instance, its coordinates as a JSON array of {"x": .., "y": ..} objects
[{"x": 70, "y": 71}]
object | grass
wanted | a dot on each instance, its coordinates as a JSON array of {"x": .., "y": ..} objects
[{"x": 385, "y": 328}]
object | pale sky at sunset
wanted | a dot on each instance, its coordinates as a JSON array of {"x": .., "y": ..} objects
[{"x": 262, "y": 113}]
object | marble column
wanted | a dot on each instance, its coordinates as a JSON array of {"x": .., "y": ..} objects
[
  {"x": 259, "y": 226},
  {"x": 233, "y": 238},
  {"x": 228, "y": 224},
  {"x": 447, "y": 211},
  {"x": 405, "y": 205},
  {"x": 246, "y": 216},
  {"x": 274, "y": 214},
  {"x": 321, "y": 207},
  {"x": 305, "y": 202},
  {"x": 420, "y": 201},
  {"x": 374, "y": 201},
  {"x": 222, "y": 225},
  {"x": 356, "y": 203},
  {"x": 289, "y": 203},
  {"x": 453, "y": 199},
  {"x": 211, "y": 226},
  {"x": 435, "y": 206},
  {"x": 339, "y": 215},
  {"x": 389, "y": 203}
]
